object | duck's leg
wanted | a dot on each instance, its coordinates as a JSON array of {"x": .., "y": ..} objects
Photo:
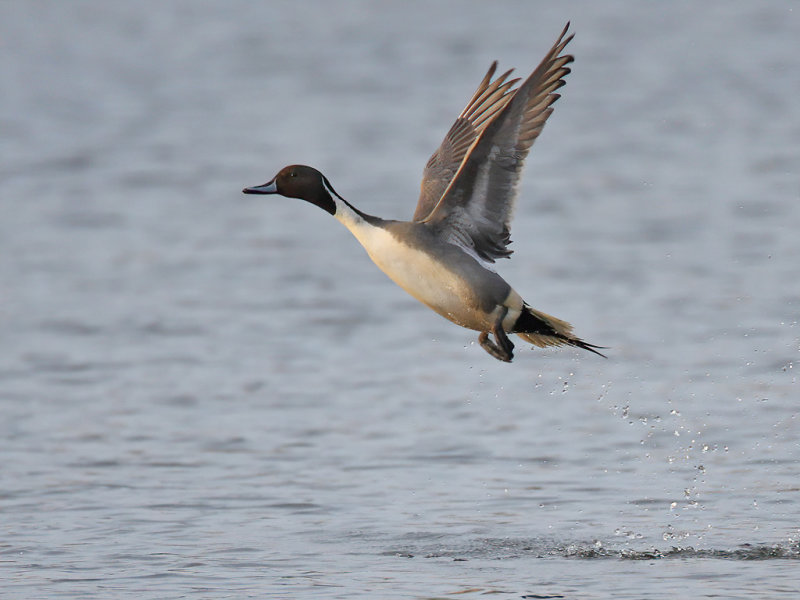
[{"x": 502, "y": 348}]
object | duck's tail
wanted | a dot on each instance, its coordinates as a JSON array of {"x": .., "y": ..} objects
[{"x": 541, "y": 329}]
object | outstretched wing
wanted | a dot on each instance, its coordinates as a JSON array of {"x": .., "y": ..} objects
[
  {"x": 486, "y": 102},
  {"x": 475, "y": 210}
]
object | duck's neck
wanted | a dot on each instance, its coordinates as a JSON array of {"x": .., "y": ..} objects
[{"x": 347, "y": 214}]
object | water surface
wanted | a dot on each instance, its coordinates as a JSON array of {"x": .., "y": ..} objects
[{"x": 205, "y": 394}]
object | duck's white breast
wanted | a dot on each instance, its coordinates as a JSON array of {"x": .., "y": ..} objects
[{"x": 422, "y": 274}]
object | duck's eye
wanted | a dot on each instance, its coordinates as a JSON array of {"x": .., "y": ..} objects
[{"x": 293, "y": 174}]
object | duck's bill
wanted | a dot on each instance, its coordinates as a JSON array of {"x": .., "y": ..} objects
[{"x": 267, "y": 188}]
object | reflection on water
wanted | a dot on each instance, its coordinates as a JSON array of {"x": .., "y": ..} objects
[{"x": 206, "y": 393}]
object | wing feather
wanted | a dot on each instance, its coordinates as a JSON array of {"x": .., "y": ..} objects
[
  {"x": 475, "y": 210},
  {"x": 486, "y": 102}
]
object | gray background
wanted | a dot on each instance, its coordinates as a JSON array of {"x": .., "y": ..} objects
[{"x": 205, "y": 394}]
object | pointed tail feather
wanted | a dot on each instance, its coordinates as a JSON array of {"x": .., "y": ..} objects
[{"x": 542, "y": 330}]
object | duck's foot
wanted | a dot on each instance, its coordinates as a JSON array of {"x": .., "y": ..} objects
[{"x": 502, "y": 348}]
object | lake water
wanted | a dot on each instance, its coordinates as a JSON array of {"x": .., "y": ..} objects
[{"x": 211, "y": 395}]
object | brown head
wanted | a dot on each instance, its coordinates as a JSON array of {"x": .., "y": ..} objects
[{"x": 300, "y": 181}]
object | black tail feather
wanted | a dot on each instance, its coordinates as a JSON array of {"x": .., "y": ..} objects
[
  {"x": 579, "y": 343},
  {"x": 544, "y": 330}
]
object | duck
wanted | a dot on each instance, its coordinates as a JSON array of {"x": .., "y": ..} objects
[{"x": 445, "y": 255}]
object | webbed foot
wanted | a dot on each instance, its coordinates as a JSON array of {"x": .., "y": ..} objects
[{"x": 502, "y": 348}]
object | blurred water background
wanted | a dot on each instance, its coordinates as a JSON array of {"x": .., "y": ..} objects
[{"x": 211, "y": 395}]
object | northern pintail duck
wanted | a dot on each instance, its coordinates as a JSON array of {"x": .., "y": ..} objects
[{"x": 443, "y": 257}]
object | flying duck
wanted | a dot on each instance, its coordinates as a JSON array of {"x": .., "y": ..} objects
[{"x": 444, "y": 256}]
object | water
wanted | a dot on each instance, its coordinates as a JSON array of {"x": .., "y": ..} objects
[{"x": 212, "y": 395}]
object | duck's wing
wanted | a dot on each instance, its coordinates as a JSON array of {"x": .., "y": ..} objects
[
  {"x": 486, "y": 102},
  {"x": 475, "y": 210}
]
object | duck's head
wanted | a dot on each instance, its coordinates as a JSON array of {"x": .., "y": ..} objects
[{"x": 300, "y": 181}]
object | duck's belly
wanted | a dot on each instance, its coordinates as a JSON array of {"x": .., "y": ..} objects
[
  {"x": 458, "y": 294},
  {"x": 434, "y": 285}
]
